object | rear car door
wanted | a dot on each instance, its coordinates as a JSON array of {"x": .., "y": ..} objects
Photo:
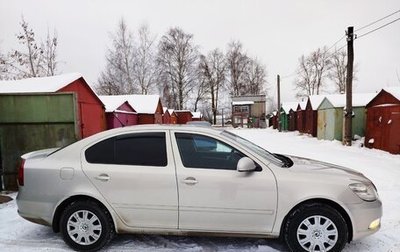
[
  {"x": 135, "y": 173},
  {"x": 213, "y": 195}
]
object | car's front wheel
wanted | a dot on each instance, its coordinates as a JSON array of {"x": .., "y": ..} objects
[
  {"x": 86, "y": 226},
  {"x": 316, "y": 227}
]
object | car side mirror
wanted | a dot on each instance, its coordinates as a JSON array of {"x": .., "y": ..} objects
[{"x": 245, "y": 164}]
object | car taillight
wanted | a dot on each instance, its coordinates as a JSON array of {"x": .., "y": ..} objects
[{"x": 21, "y": 173}]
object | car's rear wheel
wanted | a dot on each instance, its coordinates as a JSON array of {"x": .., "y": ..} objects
[
  {"x": 316, "y": 227},
  {"x": 86, "y": 226}
]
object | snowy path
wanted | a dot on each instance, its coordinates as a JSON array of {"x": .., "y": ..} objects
[{"x": 16, "y": 234}]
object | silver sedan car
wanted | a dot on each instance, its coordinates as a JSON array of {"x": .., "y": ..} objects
[{"x": 192, "y": 180}]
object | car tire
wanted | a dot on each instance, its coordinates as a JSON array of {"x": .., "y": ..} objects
[
  {"x": 316, "y": 227},
  {"x": 86, "y": 226}
]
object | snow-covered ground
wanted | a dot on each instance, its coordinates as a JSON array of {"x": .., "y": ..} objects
[{"x": 382, "y": 168}]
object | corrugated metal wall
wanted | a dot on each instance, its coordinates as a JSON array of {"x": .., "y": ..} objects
[{"x": 31, "y": 122}]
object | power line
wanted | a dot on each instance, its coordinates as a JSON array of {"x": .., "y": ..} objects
[
  {"x": 289, "y": 75},
  {"x": 334, "y": 44},
  {"x": 357, "y": 37},
  {"x": 380, "y": 27},
  {"x": 368, "y": 25}
]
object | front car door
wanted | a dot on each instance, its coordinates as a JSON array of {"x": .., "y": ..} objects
[
  {"x": 213, "y": 195},
  {"x": 135, "y": 173}
]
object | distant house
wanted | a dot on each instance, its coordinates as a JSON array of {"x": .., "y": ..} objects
[
  {"x": 383, "y": 121},
  {"x": 118, "y": 114},
  {"x": 249, "y": 110},
  {"x": 331, "y": 116},
  {"x": 183, "y": 116},
  {"x": 170, "y": 117},
  {"x": 148, "y": 107}
]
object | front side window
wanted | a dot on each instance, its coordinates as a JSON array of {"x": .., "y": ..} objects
[
  {"x": 143, "y": 149},
  {"x": 199, "y": 151}
]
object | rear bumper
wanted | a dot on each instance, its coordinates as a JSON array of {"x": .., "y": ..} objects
[
  {"x": 36, "y": 212},
  {"x": 363, "y": 215}
]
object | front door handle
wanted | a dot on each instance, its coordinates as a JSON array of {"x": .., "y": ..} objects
[
  {"x": 103, "y": 177},
  {"x": 190, "y": 181}
]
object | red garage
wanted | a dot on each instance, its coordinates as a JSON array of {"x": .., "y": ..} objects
[
  {"x": 90, "y": 109},
  {"x": 383, "y": 121},
  {"x": 119, "y": 113},
  {"x": 311, "y": 114}
]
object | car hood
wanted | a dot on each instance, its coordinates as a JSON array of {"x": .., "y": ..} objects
[{"x": 309, "y": 165}]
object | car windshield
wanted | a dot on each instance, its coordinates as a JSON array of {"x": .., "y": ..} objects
[{"x": 253, "y": 147}]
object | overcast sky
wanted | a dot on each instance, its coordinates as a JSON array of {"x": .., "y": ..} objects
[{"x": 276, "y": 32}]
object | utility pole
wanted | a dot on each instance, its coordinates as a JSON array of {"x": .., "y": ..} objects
[
  {"x": 348, "y": 113},
  {"x": 279, "y": 103}
]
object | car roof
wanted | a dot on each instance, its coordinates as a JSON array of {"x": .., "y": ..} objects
[{"x": 152, "y": 127}]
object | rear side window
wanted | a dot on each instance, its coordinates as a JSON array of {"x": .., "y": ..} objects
[{"x": 144, "y": 149}]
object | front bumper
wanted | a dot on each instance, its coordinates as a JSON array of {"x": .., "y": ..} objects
[{"x": 366, "y": 218}]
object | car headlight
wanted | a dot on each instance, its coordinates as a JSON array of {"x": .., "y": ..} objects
[{"x": 365, "y": 191}]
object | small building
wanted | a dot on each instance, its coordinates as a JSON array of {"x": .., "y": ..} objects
[
  {"x": 273, "y": 119},
  {"x": 249, "y": 110},
  {"x": 148, "y": 107},
  {"x": 170, "y": 117},
  {"x": 293, "y": 119},
  {"x": 383, "y": 121},
  {"x": 331, "y": 116},
  {"x": 197, "y": 116},
  {"x": 90, "y": 109},
  {"x": 118, "y": 114},
  {"x": 301, "y": 117},
  {"x": 39, "y": 113},
  {"x": 284, "y": 114},
  {"x": 311, "y": 114},
  {"x": 183, "y": 116}
]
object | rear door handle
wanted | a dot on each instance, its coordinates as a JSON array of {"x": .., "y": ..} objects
[
  {"x": 190, "y": 181},
  {"x": 103, "y": 177}
]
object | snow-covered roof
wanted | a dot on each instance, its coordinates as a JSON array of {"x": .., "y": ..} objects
[
  {"x": 303, "y": 105},
  {"x": 316, "y": 100},
  {"x": 358, "y": 99},
  {"x": 142, "y": 104},
  {"x": 111, "y": 102},
  {"x": 39, "y": 84},
  {"x": 182, "y": 111},
  {"x": 170, "y": 111},
  {"x": 196, "y": 115},
  {"x": 395, "y": 91},
  {"x": 242, "y": 102},
  {"x": 287, "y": 106},
  {"x": 164, "y": 109}
]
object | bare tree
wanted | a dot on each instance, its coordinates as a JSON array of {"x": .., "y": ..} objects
[
  {"x": 338, "y": 70},
  {"x": 255, "y": 78},
  {"x": 213, "y": 74},
  {"x": 145, "y": 61},
  {"x": 50, "y": 53},
  {"x": 200, "y": 93},
  {"x": 3, "y": 66},
  {"x": 237, "y": 62},
  {"x": 37, "y": 60},
  {"x": 177, "y": 57},
  {"x": 118, "y": 77},
  {"x": 312, "y": 72}
]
